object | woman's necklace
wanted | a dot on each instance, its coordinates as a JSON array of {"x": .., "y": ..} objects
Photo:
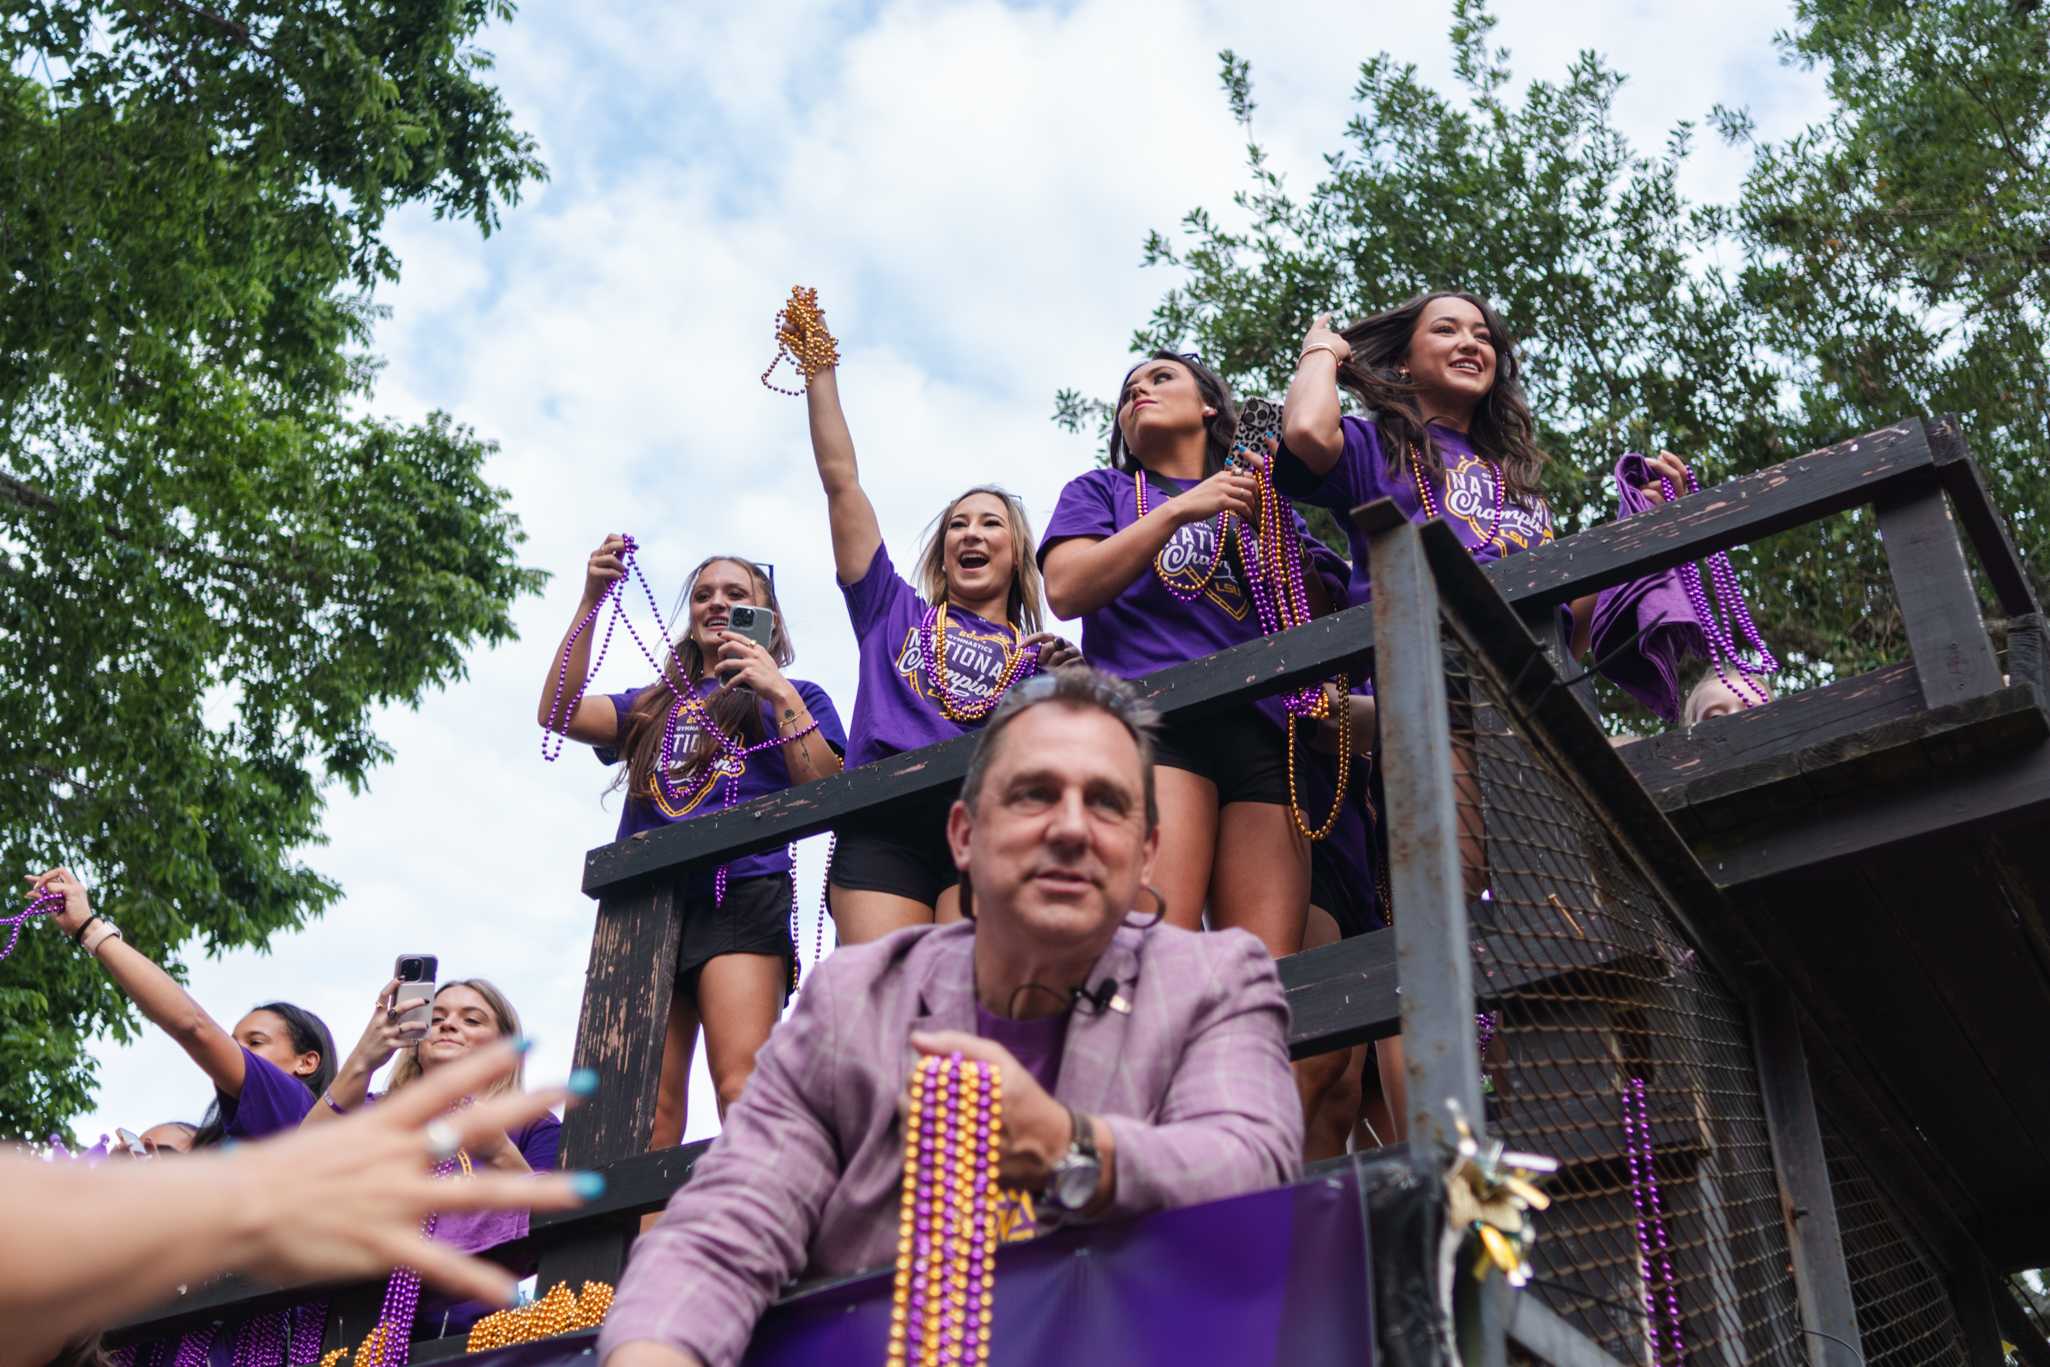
[
  {"x": 1220, "y": 527},
  {"x": 1020, "y": 662},
  {"x": 1430, "y": 503}
]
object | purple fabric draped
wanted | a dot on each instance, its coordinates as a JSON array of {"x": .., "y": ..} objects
[{"x": 1655, "y": 609}]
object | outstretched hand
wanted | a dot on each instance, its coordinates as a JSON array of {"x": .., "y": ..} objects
[
  {"x": 77, "y": 907},
  {"x": 333, "y": 1202},
  {"x": 605, "y": 567},
  {"x": 1671, "y": 467}
]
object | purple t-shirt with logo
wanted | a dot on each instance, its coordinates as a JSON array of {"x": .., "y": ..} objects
[
  {"x": 272, "y": 1100},
  {"x": 1146, "y": 628},
  {"x": 1466, "y": 495},
  {"x": 895, "y": 705},
  {"x": 757, "y": 775},
  {"x": 1037, "y": 1044},
  {"x": 539, "y": 1142}
]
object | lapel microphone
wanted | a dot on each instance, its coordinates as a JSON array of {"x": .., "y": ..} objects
[{"x": 1104, "y": 997}]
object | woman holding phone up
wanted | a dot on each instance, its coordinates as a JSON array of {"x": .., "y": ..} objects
[
  {"x": 265, "y": 1072},
  {"x": 937, "y": 656},
  {"x": 725, "y": 727}
]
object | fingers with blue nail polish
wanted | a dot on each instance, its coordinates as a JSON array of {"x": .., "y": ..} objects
[
  {"x": 583, "y": 1082},
  {"x": 588, "y": 1185}
]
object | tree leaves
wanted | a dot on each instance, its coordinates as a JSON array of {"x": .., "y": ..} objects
[{"x": 212, "y": 564}]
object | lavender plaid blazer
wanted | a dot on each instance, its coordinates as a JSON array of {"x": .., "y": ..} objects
[{"x": 1193, "y": 1083}]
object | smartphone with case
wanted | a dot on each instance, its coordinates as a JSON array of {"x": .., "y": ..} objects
[
  {"x": 1259, "y": 423},
  {"x": 414, "y": 999},
  {"x": 133, "y": 1143},
  {"x": 757, "y": 624}
]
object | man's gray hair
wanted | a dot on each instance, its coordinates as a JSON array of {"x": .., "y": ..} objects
[{"x": 1077, "y": 686}]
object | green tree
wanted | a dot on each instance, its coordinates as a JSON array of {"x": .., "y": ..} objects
[
  {"x": 213, "y": 565},
  {"x": 1823, "y": 303}
]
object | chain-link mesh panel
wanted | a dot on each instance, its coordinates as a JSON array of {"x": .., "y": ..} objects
[
  {"x": 1611, "y": 1045},
  {"x": 1905, "y": 1314}
]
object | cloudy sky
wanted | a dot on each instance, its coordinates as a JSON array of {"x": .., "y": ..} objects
[{"x": 968, "y": 186}]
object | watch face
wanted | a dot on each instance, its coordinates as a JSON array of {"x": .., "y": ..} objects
[{"x": 1075, "y": 1182}]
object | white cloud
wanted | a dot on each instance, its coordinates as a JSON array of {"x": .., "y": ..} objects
[{"x": 968, "y": 185}]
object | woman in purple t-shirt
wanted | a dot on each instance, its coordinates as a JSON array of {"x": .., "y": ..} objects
[
  {"x": 467, "y": 1014},
  {"x": 728, "y": 727},
  {"x": 266, "y": 1071},
  {"x": 1141, "y": 552},
  {"x": 935, "y": 660}
]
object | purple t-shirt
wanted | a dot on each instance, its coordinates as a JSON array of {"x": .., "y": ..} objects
[
  {"x": 1037, "y": 1044},
  {"x": 272, "y": 1100},
  {"x": 472, "y": 1231},
  {"x": 764, "y": 772},
  {"x": 1466, "y": 496},
  {"x": 1146, "y": 628},
  {"x": 895, "y": 707}
]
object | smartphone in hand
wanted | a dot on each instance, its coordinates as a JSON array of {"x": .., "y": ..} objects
[{"x": 414, "y": 1000}]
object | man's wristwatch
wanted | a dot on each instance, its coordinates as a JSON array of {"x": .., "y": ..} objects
[{"x": 1072, "y": 1184}]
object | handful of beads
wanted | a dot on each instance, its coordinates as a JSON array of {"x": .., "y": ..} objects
[
  {"x": 801, "y": 336},
  {"x": 948, "y": 1226},
  {"x": 561, "y": 1311},
  {"x": 42, "y": 904}
]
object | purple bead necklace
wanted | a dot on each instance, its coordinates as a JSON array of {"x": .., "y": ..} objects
[
  {"x": 947, "y": 1230},
  {"x": 42, "y": 904},
  {"x": 556, "y": 728},
  {"x": 1729, "y": 596},
  {"x": 390, "y": 1343},
  {"x": 1654, "y": 1252},
  {"x": 1430, "y": 503},
  {"x": 1220, "y": 527},
  {"x": 194, "y": 1347},
  {"x": 1020, "y": 663}
]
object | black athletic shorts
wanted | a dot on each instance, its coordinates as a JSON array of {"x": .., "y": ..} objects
[
  {"x": 1240, "y": 751},
  {"x": 901, "y": 850},
  {"x": 754, "y": 919}
]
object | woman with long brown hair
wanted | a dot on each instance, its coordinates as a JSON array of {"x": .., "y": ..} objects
[{"x": 725, "y": 726}]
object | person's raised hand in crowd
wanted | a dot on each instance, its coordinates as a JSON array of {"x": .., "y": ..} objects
[
  {"x": 605, "y": 567},
  {"x": 88, "y": 1245},
  {"x": 1055, "y": 652},
  {"x": 1668, "y": 465},
  {"x": 383, "y": 1036}
]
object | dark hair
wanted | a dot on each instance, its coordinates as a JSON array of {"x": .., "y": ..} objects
[
  {"x": 1217, "y": 429},
  {"x": 737, "y": 712},
  {"x": 1501, "y": 427},
  {"x": 309, "y": 1036},
  {"x": 1077, "y": 686}
]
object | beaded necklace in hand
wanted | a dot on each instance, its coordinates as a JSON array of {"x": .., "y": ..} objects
[
  {"x": 1717, "y": 629},
  {"x": 1275, "y": 571},
  {"x": 947, "y": 1231},
  {"x": 733, "y": 754},
  {"x": 42, "y": 904},
  {"x": 1221, "y": 527},
  {"x": 1429, "y": 501},
  {"x": 801, "y": 336},
  {"x": 1020, "y": 663}
]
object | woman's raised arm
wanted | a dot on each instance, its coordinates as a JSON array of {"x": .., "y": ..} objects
[
  {"x": 594, "y": 721},
  {"x": 856, "y": 533}
]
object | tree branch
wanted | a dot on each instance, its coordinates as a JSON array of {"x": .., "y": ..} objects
[{"x": 25, "y": 494}]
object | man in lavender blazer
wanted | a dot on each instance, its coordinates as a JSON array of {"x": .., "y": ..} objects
[{"x": 1143, "y": 1066}]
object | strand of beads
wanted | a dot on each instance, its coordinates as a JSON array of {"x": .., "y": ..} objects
[
  {"x": 390, "y": 1341},
  {"x": 1484, "y": 1023},
  {"x": 940, "y": 1311},
  {"x": 42, "y": 904},
  {"x": 1219, "y": 528},
  {"x": 309, "y": 1319},
  {"x": 556, "y": 728},
  {"x": 1654, "y": 1252},
  {"x": 1735, "y": 613},
  {"x": 261, "y": 1342},
  {"x": 801, "y": 335},
  {"x": 732, "y": 763},
  {"x": 1429, "y": 502},
  {"x": 1020, "y": 663},
  {"x": 194, "y": 1347},
  {"x": 1281, "y": 597}
]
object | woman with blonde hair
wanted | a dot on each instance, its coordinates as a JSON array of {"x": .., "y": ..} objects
[
  {"x": 723, "y": 727},
  {"x": 935, "y": 660},
  {"x": 467, "y": 1015}
]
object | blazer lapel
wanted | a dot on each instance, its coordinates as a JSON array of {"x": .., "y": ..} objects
[
  {"x": 945, "y": 975},
  {"x": 1096, "y": 1040}
]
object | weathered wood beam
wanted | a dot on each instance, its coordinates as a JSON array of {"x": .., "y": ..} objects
[
  {"x": 1932, "y": 586},
  {"x": 1981, "y": 520}
]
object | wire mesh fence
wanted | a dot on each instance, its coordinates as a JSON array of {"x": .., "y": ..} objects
[
  {"x": 1611, "y": 1045},
  {"x": 1905, "y": 1315}
]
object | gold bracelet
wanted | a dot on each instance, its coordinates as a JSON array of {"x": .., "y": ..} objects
[{"x": 1324, "y": 347}]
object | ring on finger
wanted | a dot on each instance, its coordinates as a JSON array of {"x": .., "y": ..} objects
[{"x": 442, "y": 1140}]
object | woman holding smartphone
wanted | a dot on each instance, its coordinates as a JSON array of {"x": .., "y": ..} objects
[
  {"x": 265, "y": 1072},
  {"x": 726, "y": 726},
  {"x": 465, "y": 1015},
  {"x": 936, "y": 657}
]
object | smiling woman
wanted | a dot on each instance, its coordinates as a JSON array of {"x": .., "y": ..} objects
[
  {"x": 936, "y": 659},
  {"x": 468, "y": 1015}
]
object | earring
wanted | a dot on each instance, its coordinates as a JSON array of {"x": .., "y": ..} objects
[{"x": 1159, "y": 910}]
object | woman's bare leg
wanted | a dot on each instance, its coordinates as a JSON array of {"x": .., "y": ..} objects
[
  {"x": 740, "y": 997},
  {"x": 672, "y": 1091},
  {"x": 1188, "y": 844},
  {"x": 1329, "y": 1083},
  {"x": 1261, "y": 882},
  {"x": 861, "y": 915}
]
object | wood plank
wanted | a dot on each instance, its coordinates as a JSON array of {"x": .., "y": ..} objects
[
  {"x": 620, "y": 1033},
  {"x": 1981, "y": 521},
  {"x": 1272, "y": 664},
  {"x": 1938, "y": 605},
  {"x": 1822, "y": 1282},
  {"x": 1341, "y": 995},
  {"x": 1735, "y": 513}
]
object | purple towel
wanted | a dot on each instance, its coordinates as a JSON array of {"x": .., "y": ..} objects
[{"x": 1654, "y": 609}]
